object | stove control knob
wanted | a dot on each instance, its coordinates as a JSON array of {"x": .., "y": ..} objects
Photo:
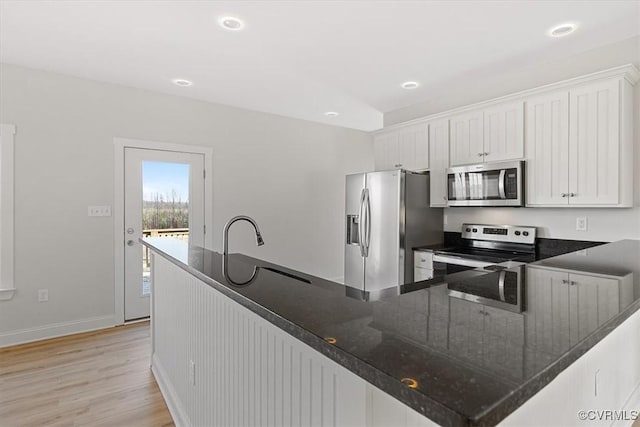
[
  {"x": 525, "y": 233},
  {"x": 475, "y": 230},
  {"x": 517, "y": 233},
  {"x": 468, "y": 229}
]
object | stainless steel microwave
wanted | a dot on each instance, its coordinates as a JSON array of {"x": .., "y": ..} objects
[{"x": 486, "y": 184}]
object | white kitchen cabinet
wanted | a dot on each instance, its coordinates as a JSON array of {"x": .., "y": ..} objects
[
  {"x": 578, "y": 144},
  {"x": 422, "y": 265},
  {"x": 439, "y": 162},
  {"x": 547, "y": 149},
  {"x": 489, "y": 135},
  {"x": 504, "y": 132},
  {"x": 466, "y": 138},
  {"x": 594, "y": 144},
  {"x": 385, "y": 147},
  {"x": 406, "y": 148}
]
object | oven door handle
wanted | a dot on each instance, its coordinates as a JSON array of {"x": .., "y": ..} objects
[
  {"x": 501, "y": 184},
  {"x": 449, "y": 259}
]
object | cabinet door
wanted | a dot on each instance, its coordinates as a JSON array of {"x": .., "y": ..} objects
[
  {"x": 504, "y": 132},
  {"x": 439, "y": 162},
  {"x": 594, "y": 144},
  {"x": 466, "y": 139},
  {"x": 547, "y": 149},
  {"x": 385, "y": 151},
  {"x": 413, "y": 147}
]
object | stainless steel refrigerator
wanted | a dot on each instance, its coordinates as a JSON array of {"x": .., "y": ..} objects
[{"x": 387, "y": 215}]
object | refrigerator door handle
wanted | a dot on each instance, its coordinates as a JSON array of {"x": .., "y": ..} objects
[
  {"x": 367, "y": 206},
  {"x": 361, "y": 224}
]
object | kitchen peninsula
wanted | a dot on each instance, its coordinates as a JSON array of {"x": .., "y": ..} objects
[{"x": 247, "y": 342}]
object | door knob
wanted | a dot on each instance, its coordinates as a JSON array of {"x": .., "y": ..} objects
[{"x": 130, "y": 242}]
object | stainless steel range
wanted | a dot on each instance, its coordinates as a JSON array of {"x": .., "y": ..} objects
[
  {"x": 489, "y": 261},
  {"x": 488, "y": 246}
]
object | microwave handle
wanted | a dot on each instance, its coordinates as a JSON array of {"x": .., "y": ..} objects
[{"x": 501, "y": 184}]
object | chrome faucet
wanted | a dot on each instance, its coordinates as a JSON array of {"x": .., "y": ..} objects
[{"x": 225, "y": 233}]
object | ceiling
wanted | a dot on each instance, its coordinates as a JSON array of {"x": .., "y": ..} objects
[{"x": 301, "y": 58}]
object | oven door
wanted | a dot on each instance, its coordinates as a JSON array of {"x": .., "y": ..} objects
[{"x": 492, "y": 184}]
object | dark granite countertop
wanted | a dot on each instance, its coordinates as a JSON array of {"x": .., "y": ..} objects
[{"x": 476, "y": 358}]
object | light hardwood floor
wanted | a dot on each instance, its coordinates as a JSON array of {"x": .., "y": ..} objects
[{"x": 94, "y": 379}]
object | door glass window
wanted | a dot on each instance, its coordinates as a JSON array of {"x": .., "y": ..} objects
[{"x": 165, "y": 206}]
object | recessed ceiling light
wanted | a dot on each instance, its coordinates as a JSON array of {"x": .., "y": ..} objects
[
  {"x": 562, "y": 30},
  {"x": 230, "y": 23},
  {"x": 410, "y": 85},
  {"x": 331, "y": 114},
  {"x": 182, "y": 82}
]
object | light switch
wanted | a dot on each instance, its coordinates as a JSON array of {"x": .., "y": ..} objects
[{"x": 99, "y": 210}]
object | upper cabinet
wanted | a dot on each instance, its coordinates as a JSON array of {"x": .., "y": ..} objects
[
  {"x": 547, "y": 149},
  {"x": 406, "y": 148},
  {"x": 575, "y": 150},
  {"x": 504, "y": 132},
  {"x": 466, "y": 143},
  {"x": 489, "y": 135},
  {"x": 439, "y": 160},
  {"x": 594, "y": 144},
  {"x": 576, "y": 138}
]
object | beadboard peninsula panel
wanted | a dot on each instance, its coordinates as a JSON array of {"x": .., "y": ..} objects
[{"x": 219, "y": 364}]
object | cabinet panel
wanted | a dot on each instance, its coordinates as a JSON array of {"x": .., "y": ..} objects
[
  {"x": 439, "y": 162},
  {"x": 413, "y": 147},
  {"x": 547, "y": 149},
  {"x": 504, "y": 132},
  {"x": 385, "y": 151},
  {"x": 594, "y": 145},
  {"x": 406, "y": 148},
  {"x": 466, "y": 138}
]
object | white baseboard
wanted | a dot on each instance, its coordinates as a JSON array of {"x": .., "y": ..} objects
[
  {"x": 339, "y": 279},
  {"x": 54, "y": 330},
  {"x": 174, "y": 404}
]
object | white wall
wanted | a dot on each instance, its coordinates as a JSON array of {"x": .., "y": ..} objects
[
  {"x": 286, "y": 173},
  {"x": 603, "y": 224}
]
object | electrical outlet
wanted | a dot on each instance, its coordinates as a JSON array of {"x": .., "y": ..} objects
[
  {"x": 192, "y": 372},
  {"x": 43, "y": 295},
  {"x": 99, "y": 210},
  {"x": 581, "y": 223}
]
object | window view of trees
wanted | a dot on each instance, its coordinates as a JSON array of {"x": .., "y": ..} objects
[{"x": 165, "y": 211}]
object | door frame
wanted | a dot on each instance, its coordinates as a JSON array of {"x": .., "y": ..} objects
[{"x": 120, "y": 144}]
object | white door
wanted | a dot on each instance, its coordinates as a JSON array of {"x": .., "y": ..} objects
[
  {"x": 163, "y": 197},
  {"x": 439, "y": 162},
  {"x": 547, "y": 149},
  {"x": 504, "y": 132},
  {"x": 594, "y": 144},
  {"x": 467, "y": 135}
]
